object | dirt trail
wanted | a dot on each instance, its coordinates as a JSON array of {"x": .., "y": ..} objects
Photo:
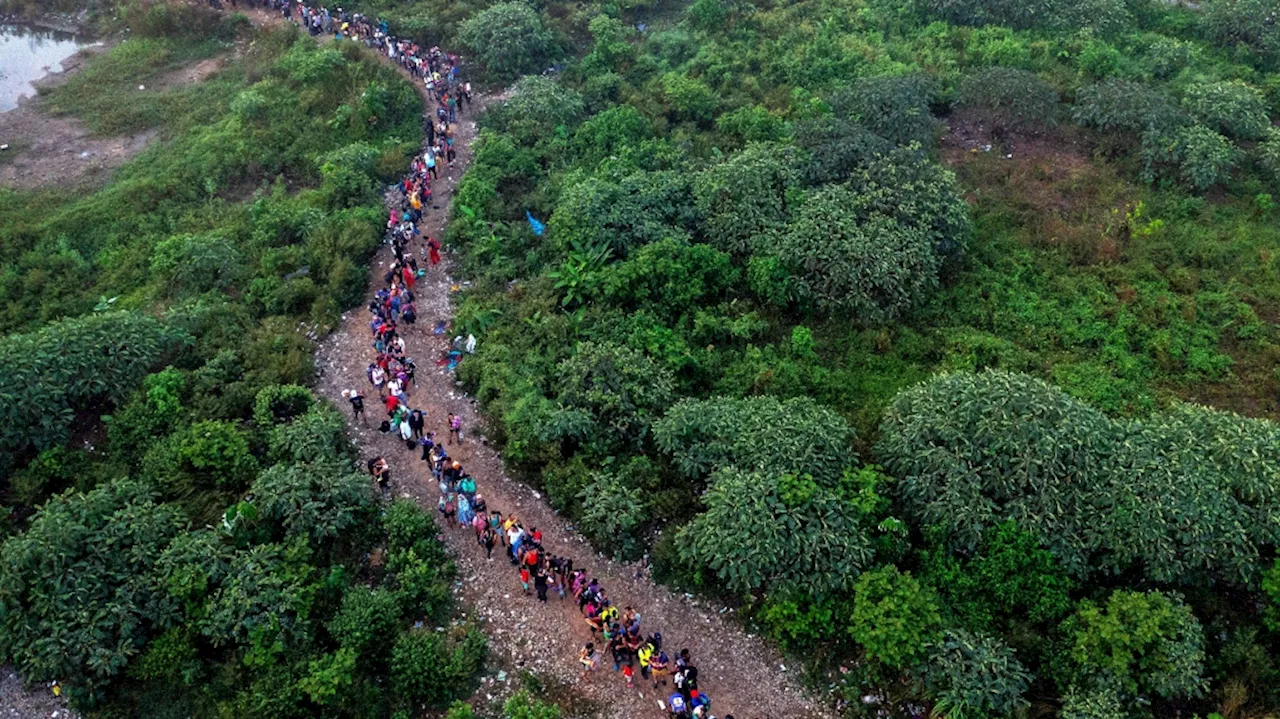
[{"x": 741, "y": 673}]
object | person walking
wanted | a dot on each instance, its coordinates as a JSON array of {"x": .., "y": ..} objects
[{"x": 357, "y": 405}]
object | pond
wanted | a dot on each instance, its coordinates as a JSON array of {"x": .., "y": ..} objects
[{"x": 28, "y": 54}]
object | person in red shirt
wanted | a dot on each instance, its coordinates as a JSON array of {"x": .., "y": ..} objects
[{"x": 392, "y": 403}]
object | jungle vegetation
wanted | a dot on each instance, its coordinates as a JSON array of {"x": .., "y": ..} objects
[
  {"x": 184, "y": 528},
  {"x": 937, "y": 337}
]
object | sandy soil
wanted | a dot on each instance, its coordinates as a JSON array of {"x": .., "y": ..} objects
[{"x": 740, "y": 672}]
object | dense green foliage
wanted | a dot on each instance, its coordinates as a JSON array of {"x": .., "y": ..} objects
[
  {"x": 1102, "y": 494},
  {"x": 770, "y": 224},
  {"x": 214, "y": 550}
]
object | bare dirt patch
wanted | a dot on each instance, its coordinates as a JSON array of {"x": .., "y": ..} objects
[
  {"x": 18, "y": 701},
  {"x": 45, "y": 149},
  {"x": 1044, "y": 180}
]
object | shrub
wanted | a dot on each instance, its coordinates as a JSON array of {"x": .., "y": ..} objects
[
  {"x": 78, "y": 594},
  {"x": 752, "y": 123},
  {"x": 1012, "y": 575},
  {"x": 974, "y": 675},
  {"x": 1269, "y": 155},
  {"x": 612, "y": 512},
  {"x": 1252, "y": 23},
  {"x": 837, "y": 148},
  {"x": 610, "y": 395},
  {"x": 1015, "y": 96},
  {"x": 536, "y": 106},
  {"x": 689, "y": 98},
  {"x": 321, "y": 501},
  {"x": 1126, "y": 106},
  {"x": 1167, "y": 56},
  {"x": 1098, "y": 493},
  {"x": 509, "y": 39},
  {"x": 895, "y": 108},
  {"x": 894, "y": 618},
  {"x": 1105, "y": 15},
  {"x": 757, "y": 434},
  {"x": 1037, "y": 457},
  {"x": 643, "y": 207},
  {"x": 744, "y": 198},
  {"x": 869, "y": 272},
  {"x": 205, "y": 455},
  {"x": 73, "y": 365},
  {"x": 523, "y": 706},
  {"x": 277, "y": 404},
  {"x": 426, "y": 670},
  {"x": 367, "y": 621},
  {"x": 775, "y": 531},
  {"x": 1194, "y": 156},
  {"x": 667, "y": 278},
  {"x": 317, "y": 436},
  {"x": 264, "y": 603},
  {"x": 192, "y": 264},
  {"x": 907, "y": 186},
  {"x": 1147, "y": 642},
  {"x": 1232, "y": 108}
]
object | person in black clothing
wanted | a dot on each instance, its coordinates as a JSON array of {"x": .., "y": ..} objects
[
  {"x": 540, "y": 584},
  {"x": 357, "y": 404},
  {"x": 416, "y": 422}
]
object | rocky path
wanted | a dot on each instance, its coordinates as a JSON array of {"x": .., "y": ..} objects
[{"x": 740, "y": 672}]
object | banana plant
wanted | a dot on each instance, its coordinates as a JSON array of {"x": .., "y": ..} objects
[{"x": 572, "y": 276}]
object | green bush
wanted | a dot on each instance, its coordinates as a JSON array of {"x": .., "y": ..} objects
[
  {"x": 78, "y": 597},
  {"x": 745, "y": 198},
  {"x": 894, "y": 617},
  {"x": 76, "y": 364},
  {"x": 975, "y": 675},
  {"x": 895, "y": 108},
  {"x": 782, "y": 532},
  {"x": 277, "y": 404},
  {"x": 1233, "y": 108},
  {"x": 757, "y": 434},
  {"x": 319, "y": 435},
  {"x": 1251, "y": 23},
  {"x": 1105, "y": 15},
  {"x": 837, "y": 148},
  {"x": 425, "y": 670},
  {"x": 1126, "y": 106},
  {"x": 192, "y": 264},
  {"x": 367, "y": 622},
  {"x": 688, "y": 98},
  {"x": 868, "y": 272},
  {"x": 321, "y": 500},
  {"x": 1016, "y": 96},
  {"x": 534, "y": 108},
  {"x": 613, "y": 512},
  {"x": 906, "y": 186},
  {"x": 509, "y": 39},
  {"x": 1099, "y": 493},
  {"x": 1194, "y": 156},
  {"x": 609, "y": 396},
  {"x": 643, "y": 207},
  {"x": 1146, "y": 642}
]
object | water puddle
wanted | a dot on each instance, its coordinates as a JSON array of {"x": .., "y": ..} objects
[{"x": 28, "y": 54}]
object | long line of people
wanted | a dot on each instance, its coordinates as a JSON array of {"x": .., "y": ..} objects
[{"x": 392, "y": 374}]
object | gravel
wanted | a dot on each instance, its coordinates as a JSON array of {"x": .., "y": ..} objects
[{"x": 741, "y": 673}]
